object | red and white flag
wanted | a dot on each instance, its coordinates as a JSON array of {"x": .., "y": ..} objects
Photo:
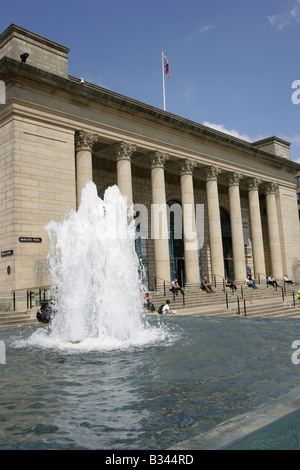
[{"x": 166, "y": 63}]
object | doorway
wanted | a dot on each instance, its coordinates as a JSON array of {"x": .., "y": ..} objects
[
  {"x": 227, "y": 244},
  {"x": 176, "y": 245}
]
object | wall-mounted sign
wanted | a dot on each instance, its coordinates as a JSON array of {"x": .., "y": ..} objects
[
  {"x": 7, "y": 253},
  {"x": 30, "y": 240}
]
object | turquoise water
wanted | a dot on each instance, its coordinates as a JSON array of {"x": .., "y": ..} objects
[
  {"x": 207, "y": 370},
  {"x": 283, "y": 434}
]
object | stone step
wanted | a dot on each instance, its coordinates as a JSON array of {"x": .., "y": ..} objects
[
  {"x": 255, "y": 311},
  {"x": 16, "y": 319},
  {"x": 214, "y": 305},
  {"x": 216, "y": 299}
]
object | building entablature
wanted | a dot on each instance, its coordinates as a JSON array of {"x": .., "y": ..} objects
[
  {"x": 192, "y": 137},
  {"x": 175, "y": 165}
]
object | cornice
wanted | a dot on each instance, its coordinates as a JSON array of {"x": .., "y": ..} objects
[
  {"x": 15, "y": 30},
  {"x": 10, "y": 68}
]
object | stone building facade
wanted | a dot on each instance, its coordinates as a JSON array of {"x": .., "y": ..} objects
[{"x": 58, "y": 132}]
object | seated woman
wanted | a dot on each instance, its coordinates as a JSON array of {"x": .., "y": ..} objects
[
  {"x": 287, "y": 280},
  {"x": 230, "y": 283},
  {"x": 148, "y": 305}
]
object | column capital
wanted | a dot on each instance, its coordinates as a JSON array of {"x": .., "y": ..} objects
[
  {"x": 84, "y": 140},
  {"x": 270, "y": 187},
  {"x": 187, "y": 166},
  {"x": 211, "y": 173},
  {"x": 253, "y": 183},
  {"x": 123, "y": 150},
  {"x": 233, "y": 179},
  {"x": 158, "y": 158}
]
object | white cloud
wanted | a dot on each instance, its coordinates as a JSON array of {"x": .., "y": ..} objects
[
  {"x": 293, "y": 139},
  {"x": 195, "y": 35},
  {"x": 205, "y": 28},
  {"x": 281, "y": 20},
  {"x": 233, "y": 132}
]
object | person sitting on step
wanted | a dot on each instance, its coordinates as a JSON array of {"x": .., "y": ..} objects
[
  {"x": 166, "y": 309},
  {"x": 287, "y": 280},
  {"x": 175, "y": 287},
  {"x": 230, "y": 283},
  {"x": 250, "y": 283},
  {"x": 205, "y": 285},
  {"x": 148, "y": 304},
  {"x": 272, "y": 282}
]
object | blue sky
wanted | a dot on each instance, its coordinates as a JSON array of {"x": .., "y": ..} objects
[{"x": 232, "y": 63}]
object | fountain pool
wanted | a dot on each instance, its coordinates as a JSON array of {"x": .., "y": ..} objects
[
  {"x": 103, "y": 376},
  {"x": 152, "y": 396}
]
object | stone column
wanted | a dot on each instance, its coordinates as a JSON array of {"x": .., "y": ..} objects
[
  {"x": 256, "y": 227},
  {"x": 236, "y": 227},
  {"x": 159, "y": 219},
  {"x": 84, "y": 142},
  {"x": 214, "y": 222},
  {"x": 123, "y": 152},
  {"x": 189, "y": 222},
  {"x": 274, "y": 237}
]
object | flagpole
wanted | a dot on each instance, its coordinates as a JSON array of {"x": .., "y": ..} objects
[{"x": 163, "y": 75}]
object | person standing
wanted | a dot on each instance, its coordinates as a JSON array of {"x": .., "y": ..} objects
[{"x": 249, "y": 271}]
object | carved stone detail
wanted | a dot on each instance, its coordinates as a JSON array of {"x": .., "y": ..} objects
[
  {"x": 233, "y": 179},
  {"x": 253, "y": 183},
  {"x": 270, "y": 188},
  {"x": 123, "y": 150},
  {"x": 211, "y": 173},
  {"x": 187, "y": 166},
  {"x": 158, "y": 158},
  {"x": 84, "y": 140}
]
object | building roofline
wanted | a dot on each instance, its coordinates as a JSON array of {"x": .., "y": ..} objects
[
  {"x": 269, "y": 140},
  {"x": 91, "y": 91},
  {"x": 14, "y": 29}
]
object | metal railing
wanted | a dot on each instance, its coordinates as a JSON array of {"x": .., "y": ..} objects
[{"x": 31, "y": 297}]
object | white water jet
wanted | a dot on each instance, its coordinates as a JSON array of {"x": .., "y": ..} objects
[{"x": 95, "y": 277}]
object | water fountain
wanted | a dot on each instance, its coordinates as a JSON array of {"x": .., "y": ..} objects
[
  {"x": 95, "y": 277},
  {"x": 102, "y": 377}
]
